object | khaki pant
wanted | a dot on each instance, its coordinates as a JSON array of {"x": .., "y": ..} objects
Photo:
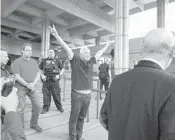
[{"x": 35, "y": 105}]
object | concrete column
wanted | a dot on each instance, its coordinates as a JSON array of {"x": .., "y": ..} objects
[
  {"x": 125, "y": 35},
  {"x": 97, "y": 40},
  {"x": 121, "y": 57},
  {"x": 45, "y": 38},
  {"x": 161, "y": 7},
  {"x": 97, "y": 43}
]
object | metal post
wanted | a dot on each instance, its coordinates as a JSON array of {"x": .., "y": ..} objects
[
  {"x": 121, "y": 57},
  {"x": 98, "y": 87},
  {"x": 64, "y": 88},
  {"x": 125, "y": 35},
  {"x": 45, "y": 38},
  {"x": 118, "y": 57},
  {"x": 161, "y": 7},
  {"x": 97, "y": 40}
]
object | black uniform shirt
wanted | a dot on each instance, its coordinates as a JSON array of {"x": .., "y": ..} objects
[{"x": 51, "y": 66}]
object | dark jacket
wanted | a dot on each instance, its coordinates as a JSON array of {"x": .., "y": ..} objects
[
  {"x": 7, "y": 87},
  {"x": 140, "y": 104},
  {"x": 12, "y": 128}
]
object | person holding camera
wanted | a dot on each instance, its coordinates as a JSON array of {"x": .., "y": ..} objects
[
  {"x": 11, "y": 126},
  {"x": 52, "y": 70},
  {"x": 10, "y": 79}
]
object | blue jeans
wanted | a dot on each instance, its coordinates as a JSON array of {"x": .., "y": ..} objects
[
  {"x": 79, "y": 108},
  {"x": 22, "y": 92}
]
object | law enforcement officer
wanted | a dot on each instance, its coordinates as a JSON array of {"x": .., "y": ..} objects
[
  {"x": 52, "y": 69},
  {"x": 104, "y": 76}
]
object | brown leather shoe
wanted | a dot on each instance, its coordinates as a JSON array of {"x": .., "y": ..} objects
[
  {"x": 81, "y": 139},
  {"x": 61, "y": 110},
  {"x": 44, "y": 111},
  {"x": 37, "y": 128}
]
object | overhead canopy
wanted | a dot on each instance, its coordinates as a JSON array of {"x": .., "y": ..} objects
[{"x": 79, "y": 22}]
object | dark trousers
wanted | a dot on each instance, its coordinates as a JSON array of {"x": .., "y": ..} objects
[
  {"x": 79, "y": 108},
  {"x": 104, "y": 82},
  {"x": 54, "y": 89}
]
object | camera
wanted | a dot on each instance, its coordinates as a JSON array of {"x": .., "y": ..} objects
[{"x": 7, "y": 85}]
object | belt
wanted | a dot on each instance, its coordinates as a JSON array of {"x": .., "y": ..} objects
[{"x": 80, "y": 92}]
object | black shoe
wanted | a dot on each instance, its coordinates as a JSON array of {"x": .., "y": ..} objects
[
  {"x": 61, "y": 110},
  {"x": 37, "y": 128},
  {"x": 44, "y": 111},
  {"x": 81, "y": 139}
]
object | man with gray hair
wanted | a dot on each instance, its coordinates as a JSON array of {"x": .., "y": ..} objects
[
  {"x": 140, "y": 103},
  {"x": 82, "y": 70}
]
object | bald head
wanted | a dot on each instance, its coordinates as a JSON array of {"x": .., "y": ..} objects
[
  {"x": 159, "y": 41},
  {"x": 159, "y": 44}
]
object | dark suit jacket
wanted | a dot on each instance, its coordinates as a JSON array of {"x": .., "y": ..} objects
[
  {"x": 140, "y": 104},
  {"x": 12, "y": 128}
]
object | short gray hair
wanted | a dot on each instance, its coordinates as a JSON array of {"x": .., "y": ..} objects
[
  {"x": 25, "y": 45},
  {"x": 84, "y": 49}
]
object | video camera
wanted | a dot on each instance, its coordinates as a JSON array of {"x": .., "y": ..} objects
[{"x": 7, "y": 84}]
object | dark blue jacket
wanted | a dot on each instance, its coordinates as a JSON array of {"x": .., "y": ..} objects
[
  {"x": 140, "y": 104},
  {"x": 12, "y": 128}
]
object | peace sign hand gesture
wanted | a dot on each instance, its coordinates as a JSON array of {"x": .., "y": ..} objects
[{"x": 53, "y": 31}]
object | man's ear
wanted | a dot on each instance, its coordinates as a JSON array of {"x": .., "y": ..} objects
[{"x": 174, "y": 53}]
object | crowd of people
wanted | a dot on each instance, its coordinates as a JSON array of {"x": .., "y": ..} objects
[{"x": 139, "y": 103}]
